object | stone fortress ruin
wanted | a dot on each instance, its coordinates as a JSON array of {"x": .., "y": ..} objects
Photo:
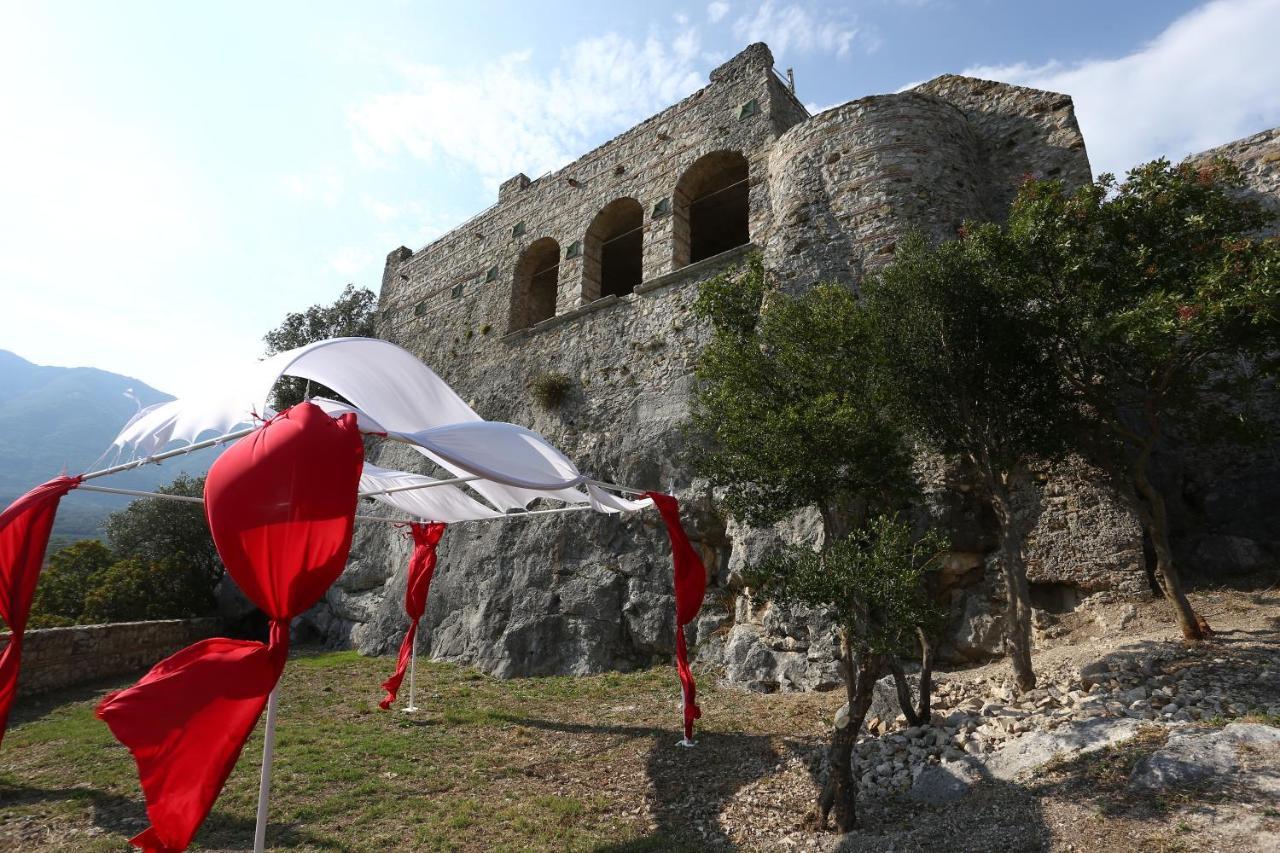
[{"x": 588, "y": 274}]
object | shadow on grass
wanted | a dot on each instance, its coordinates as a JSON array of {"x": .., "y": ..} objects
[
  {"x": 690, "y": 787},
  {"x": 126, "y": 816},
  {"x": 29, "y": 709}
]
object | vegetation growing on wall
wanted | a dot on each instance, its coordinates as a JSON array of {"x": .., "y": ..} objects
[{"x": 550, "y": 389}]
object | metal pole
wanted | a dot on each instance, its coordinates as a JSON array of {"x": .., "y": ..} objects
[
  {"x": 626, "y": 490},
  {"x": 138, "y": 494},
  {"x": 264, "y": 785},
  {"x": 415, "y": 486},
  {"x": 413, "y": 672},
  {"x": 168, "y": 454}
]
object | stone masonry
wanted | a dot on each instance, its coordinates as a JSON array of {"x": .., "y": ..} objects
[
  {"x": 590, "y": 272},
  {"x": 53, "y": 658}
]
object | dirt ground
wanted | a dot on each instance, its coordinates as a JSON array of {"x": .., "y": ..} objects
[{"x": 591, "y": 764}]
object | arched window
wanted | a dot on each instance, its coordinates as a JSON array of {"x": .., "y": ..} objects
[
  {"x": 709, "y": 208},
  {"x": 533, "y": 292},
  {"x": 612, "y": 250}
]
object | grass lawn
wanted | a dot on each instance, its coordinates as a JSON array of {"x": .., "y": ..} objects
[{"x": 531, "y": 764}]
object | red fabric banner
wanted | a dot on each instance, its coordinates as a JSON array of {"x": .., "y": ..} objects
[
  {"x": 690, "y": 587},
  {"x": 24, "y": 536},
  {"x": 281, "y": 505},
  {"x": 422, "y": 566}
]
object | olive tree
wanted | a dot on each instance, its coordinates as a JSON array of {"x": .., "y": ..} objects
[
  {"x": 873, "y": 584},
  {"x": 961, "y": 364},
  {"x": 1160, "y": 304},
  {"x": 787, "y": 417}
]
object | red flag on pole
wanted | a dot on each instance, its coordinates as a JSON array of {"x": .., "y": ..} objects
[
  {"x": 422, "y": 566},
  {"x": 24, "y": 536},
  {"x": 690, "y": 587},
  {"x": 281, "y": 506}
]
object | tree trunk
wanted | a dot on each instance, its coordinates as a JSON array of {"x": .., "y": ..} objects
[
  {"x": 925, "y": 709},
  {"x": 919, "y": 714},
  {"x": 839, "y": 794},
  {"x": 904, "y": 692},
  {"x": 1156, "y": 513},
  {"x": 1017, "y": 592}
]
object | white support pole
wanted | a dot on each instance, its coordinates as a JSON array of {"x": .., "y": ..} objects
[
  {"x": 168, "y": 454},
  {"x": 189, "y": 499},
  {"x": 264, "y": 785},
  {"x": 416, "y": 486},
  {"x": 614, "y": 487},
  {"x": 413, "y": 673},
  {"x": 139, "y": 494}
]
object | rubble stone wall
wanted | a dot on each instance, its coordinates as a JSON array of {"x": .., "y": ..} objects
[{"x": 53, "y": 658}]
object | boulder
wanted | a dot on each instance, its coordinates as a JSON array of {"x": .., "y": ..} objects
[
  {"x": 1197, "y": 754},
  {"x": 1035, "y": 749}
]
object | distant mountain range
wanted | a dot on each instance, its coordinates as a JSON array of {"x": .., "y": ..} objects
[{"x": 55, "y": 419}]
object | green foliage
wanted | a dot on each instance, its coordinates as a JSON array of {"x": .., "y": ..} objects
[
  {"x": 162, "y": 565},
  {"x": 873, "y": 581},
  {"x": 961, "y": 357},
  {"x": 787, "y": 414},
  {"x": 1160, "y": 302},
  {"x": 550, "y": 389},
  {"x": 65, "y": 583},
  {"x": 133, "y": 589},
  {"x": 353, "y": 314},
  {"x": 154, "y": 530}
]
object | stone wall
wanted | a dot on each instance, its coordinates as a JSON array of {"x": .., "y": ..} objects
[
  {"x": 53, "y": 658},
  {"x": 828, "y": 197}
]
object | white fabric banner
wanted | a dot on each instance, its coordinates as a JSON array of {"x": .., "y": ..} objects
[{"x": 394, "y": 394}]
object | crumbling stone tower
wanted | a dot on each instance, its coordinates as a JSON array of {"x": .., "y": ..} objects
[{"x": 590, "y": 270}]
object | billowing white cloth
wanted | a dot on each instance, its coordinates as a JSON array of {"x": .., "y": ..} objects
[
  {"x": 395, "y": 394},
  {"x": 382, "y": 380},
  {"x": 501, "y": 452}
]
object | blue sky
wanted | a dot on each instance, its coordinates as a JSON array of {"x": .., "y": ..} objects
[{"x": 175, "y": 177}]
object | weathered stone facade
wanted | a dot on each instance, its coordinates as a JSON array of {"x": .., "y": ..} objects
[
  {"x": 53, "y": 658},
  {"x": 590, "y": 272}
]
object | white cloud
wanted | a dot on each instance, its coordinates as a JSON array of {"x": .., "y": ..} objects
[
  {"x": 324, "y": 186},
  {"x": 716, "y": 11},
  {"x": 350, "y": 261},
  {"x": 1210, "y": 77},
  {"x": 506, "y": 117},
  {"x": 793, "y": 27}
]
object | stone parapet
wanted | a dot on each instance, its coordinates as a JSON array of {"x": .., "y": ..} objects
[{"x": 53, "y": 658}]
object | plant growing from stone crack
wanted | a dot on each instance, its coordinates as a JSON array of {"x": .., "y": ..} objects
[
  {"x": 550, "y": 389},
  {"x": 786, "y": 417},
  {"x": 1160, "y": 303}
]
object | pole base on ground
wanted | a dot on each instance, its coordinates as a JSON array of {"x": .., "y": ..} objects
[{"x": 410, "y": 709}]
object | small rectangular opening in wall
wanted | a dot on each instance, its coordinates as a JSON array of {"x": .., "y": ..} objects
[
  {"x": 517, "y": 230},
  {"x": 662, "y": 208},
  {"x": 491, "y": 274},
  {"x": 419, "y": 309},
  {"x": 575, "y": 249},
  {"x": 749, "y": 109},
  {"x": 456, "y": 292}
]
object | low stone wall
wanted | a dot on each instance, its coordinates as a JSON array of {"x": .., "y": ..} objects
[{"x": 63, "y": 657}]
